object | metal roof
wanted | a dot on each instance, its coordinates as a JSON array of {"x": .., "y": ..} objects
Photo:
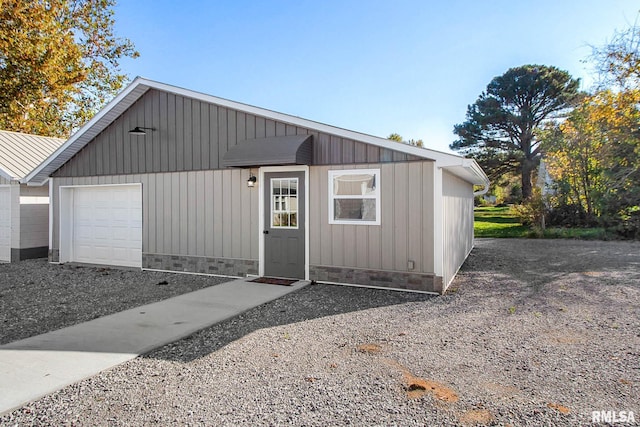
[
  {"x": 277, "y": 150},
  {"x": 21, "y": 153},
  {"x": 137, "y": 88}
]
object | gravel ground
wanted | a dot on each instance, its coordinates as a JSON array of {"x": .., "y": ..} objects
[
  {"x": 534, "y": 332},
  {"x": 38, "y": 297}
]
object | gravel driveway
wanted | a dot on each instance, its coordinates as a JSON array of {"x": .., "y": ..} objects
[
  {"x": 38, "y": 297},
  {"x": 534, "y": 332}
]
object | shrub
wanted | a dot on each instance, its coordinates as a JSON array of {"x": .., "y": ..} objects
[
  {"x": 532, "y": 211},
  {"x": 627, "y": 224},
  {"x": 570, "y": 215}
]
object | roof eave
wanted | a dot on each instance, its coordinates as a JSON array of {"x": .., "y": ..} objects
[
  {"x": 470, "y": 171},
  {"x": 86, "y": 133},
  {"x": 139, "y": 86},
  {"x": 6, "y": 175}
]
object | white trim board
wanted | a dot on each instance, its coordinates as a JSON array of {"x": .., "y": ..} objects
[
  {"x": 261, "y": 201},
  {"x": 140, "y": 86},
  {"x": 67, "y": 223}
]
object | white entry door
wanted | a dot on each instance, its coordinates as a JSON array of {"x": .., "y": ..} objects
[
  {"x": 107, "y": 225},
  {"x": 5, "y": 224}
]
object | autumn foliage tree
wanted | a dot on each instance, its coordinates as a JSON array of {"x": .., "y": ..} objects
[
  {"x": 396, "y": 137},
  {"x": 572, "y": 159},
  {"x": 595, "y": 154},
  {"x": 59, "y": 63}
]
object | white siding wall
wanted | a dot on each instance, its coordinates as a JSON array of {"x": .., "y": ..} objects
[
  {"x": 458, "y": 223},
  {"x": 34, "y": 219},
  {"x": 15, "y": 215},
  {"x": 5, "y": 223}
]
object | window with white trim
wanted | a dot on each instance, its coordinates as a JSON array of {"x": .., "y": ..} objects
[{"x": 354, "y": 196}]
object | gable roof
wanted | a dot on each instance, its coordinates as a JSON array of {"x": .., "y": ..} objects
[
  {"x": 21, "y": 153},
  {"x": 465, "y": 168}
]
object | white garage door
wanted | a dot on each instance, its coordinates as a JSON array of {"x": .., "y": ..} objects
[
  {"x": 5, "y": 224},
  {"x": 107, "y": 225}
]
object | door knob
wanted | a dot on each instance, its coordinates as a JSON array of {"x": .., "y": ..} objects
[{"x": 265, "y": 232}]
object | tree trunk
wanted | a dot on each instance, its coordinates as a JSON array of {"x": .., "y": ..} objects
[{"x": 527, "y": 171}]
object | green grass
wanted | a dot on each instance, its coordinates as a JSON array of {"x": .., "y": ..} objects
[
  {"x": 578, "y": 233},
  {"x": 500, "y": 222},
  {"x": 497, "y": 222}
]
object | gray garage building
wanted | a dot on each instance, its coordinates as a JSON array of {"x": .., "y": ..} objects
[{"x": 166, "y": 178}]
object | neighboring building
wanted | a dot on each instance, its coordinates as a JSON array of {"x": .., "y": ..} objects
[
  {"x": 545, "y": 181},
  {"x": 24, "y": 211},
  {"x": 165, "y": 178}
]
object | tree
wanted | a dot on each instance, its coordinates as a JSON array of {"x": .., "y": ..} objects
[
  {"x": 501, "y": 127},
  {"x": 618, "y": 63},
  {"x": 573, "y": 156},
  {"x": 594, "y": 155},
  {"x": 396, "y": 137},
  {"x": 58, "y": 63}
]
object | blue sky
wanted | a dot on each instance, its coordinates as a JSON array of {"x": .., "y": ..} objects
[{"x": 378, "y": 67}]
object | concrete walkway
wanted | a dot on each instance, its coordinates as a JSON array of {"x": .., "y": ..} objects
[{"x": 37, "y": 366}]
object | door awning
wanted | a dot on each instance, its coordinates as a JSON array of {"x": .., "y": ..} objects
[{"x": 276, "y": 150}]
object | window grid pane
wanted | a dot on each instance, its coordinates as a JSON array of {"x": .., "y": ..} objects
[{"x": 284, "y": 203}]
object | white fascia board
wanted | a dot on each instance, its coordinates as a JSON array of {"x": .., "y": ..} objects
[
  {"x": 6, "y": 175},
  {"x": 477, "y": 170},
  {"x": 444, "y": 158},
  {"x": 469, "y": 171},
  {"x": 36, "y": 183},
  {"x": 75, "y": 142},
  {"x": 123, "y": 101}
]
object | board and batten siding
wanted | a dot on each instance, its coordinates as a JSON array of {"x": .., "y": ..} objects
[
  {"x": 196, "y": 213},
  {"x": 15, "y": 214},
  {"x": 406, "y": 230},
  {"x": 457, "y": 196},
  {"x": 192, "y": 135},
  {"x": 34, "y": 218},
  {"x": 29, "y": 228}
]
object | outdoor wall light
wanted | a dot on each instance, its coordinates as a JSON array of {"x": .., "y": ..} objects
[
  {"x": 251, "y": 182},
  {"x": 139, "y": 130}
]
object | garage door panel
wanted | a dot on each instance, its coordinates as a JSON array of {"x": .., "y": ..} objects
[
  {"x": 120, "y": 234},
  {"x": 102, "y": 214},
  {"x": 107, "y": 225}
]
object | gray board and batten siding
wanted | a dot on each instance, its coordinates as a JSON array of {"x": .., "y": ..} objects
[
  {"x": 201, "y": 217},
  {"x": 204, "y": 216},
  {"x": 378, "y": 255},
  {"x": 192, "y": 221},
  {"x": 191, "y": 134}
]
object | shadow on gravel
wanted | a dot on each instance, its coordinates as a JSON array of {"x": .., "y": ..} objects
[{"x": 311, "y": 302}]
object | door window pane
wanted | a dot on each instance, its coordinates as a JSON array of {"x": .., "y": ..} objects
[{"x": 284, "y": 203}]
